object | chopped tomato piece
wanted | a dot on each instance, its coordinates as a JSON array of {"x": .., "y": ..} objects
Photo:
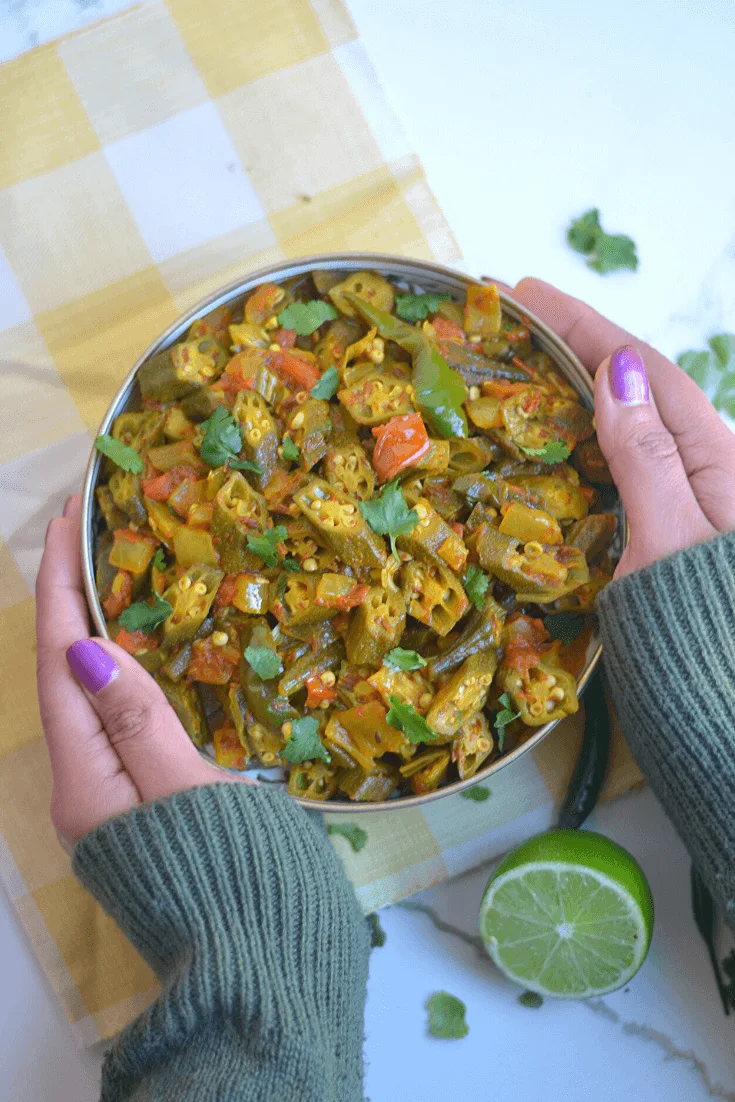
[
  {"x": 263, "y": 302},
  {"x": 238, "y": 375},
  {"x": 495, "y": 388},
  {"x": 228, "y": 750},
  {"x": 225, "y": 592},
  {"x": 120, "y": 595},
  {"x": 135, "y": 642},
  {"x": 400, "y": 443},
  {"x": 294, "y": 369},
  {"x": 162, "y": 486},
  {"x": 285, "y": 337},
  {"x": 447, "y": 330},
  {"x": 317, "y": 692},
  {"x": 212, "y": 664}
]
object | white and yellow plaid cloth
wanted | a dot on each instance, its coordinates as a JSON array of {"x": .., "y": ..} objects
[{"x": 144, "y": 162}]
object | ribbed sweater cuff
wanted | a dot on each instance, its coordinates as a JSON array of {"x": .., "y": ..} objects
[
  {"x": 235, "y": 897},
  {"x": 668, "y": 634}
]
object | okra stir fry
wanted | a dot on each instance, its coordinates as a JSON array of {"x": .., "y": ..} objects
[{"x": 340, "y": 526}]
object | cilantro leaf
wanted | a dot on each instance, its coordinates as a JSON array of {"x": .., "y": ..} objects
[
  {"x": 565, "y": 627},
  {"x": 475, "y": 586},
  {"x": 404, "y": 717},
  {"x": 355, "y": 835},
  {"x": 531, "y": 999},
  {"x": 389, "y": 515},
  {"x": 400, "y": 659},
  {"x": 304, "y": 743},
  {"x": 289, "y": 450},
  {"x": 328, "y": 385},
  {"x": 159, "y": 559},
  {"x": 222, "y": 440},
  {"x": 245, "y": 465},
  {"x": 605, "y": 252},
  {"x": 377, "y": 933},
  {"x": 503, "y": 718},
  {"x": 418, "y": 307},
  {"x": 478, "y": 793},
  {"x": 144, "y": 617},
  {"x": 446, "y": 1016},
  {"x": 264, "y": 661},
  {"x": 124, "y": 457},
  {"x": 552, "y": 452},
  {"x": 305, "y": 317},
  {"x": 714, "y": 370},
  {"x": 264, "y": 545}
]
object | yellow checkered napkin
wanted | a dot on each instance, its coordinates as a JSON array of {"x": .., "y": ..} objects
[{"x": 145, "y": 162}]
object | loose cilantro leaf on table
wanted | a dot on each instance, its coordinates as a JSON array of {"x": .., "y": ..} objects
[
  {"x": 564, "y": 626},
  {"x": 377, "y": 933},
  {"x": 400, "y": 659},
  {"x": 124, "y": 457},
  {"x": 159, "y": 559},
  {"x": 531, "y": 999},
  {"x": 328, "y": 384},
  {"x": 475, "y": 585},
  {"x": 503, "y": 718},
  {"x": 245, "y": 465},
  {"x": 265, "y": 545},
  {"x": 289, "y": 450},
  {"x": 306, "y": 317},
  {"x": 418, "y": 307},
  {"x": 144, "y": 617},
  {"x": 264, "y": 661},
  {"x": 389, "y": 515},
  {"x": 222, "y": 440},
  {"x": 404, "y": 717},
  {"x": 605, "y": 252},
  {"x": 446, "y": 1016},
  {"x": 477, "y": 793},
  {"x": 355, "y": 835},
  {"x": 714, "y": 370},
  {"x": 304, "y": 743},
  {"x": 553, "y": 452}
]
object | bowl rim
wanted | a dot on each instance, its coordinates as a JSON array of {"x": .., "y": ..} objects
[{"x": 412, "y": 270}]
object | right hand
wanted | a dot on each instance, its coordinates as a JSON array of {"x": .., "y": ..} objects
[{"x": 671, "y": 456}]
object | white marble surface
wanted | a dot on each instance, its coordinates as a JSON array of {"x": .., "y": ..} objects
[{"x": 524, "y": 115}]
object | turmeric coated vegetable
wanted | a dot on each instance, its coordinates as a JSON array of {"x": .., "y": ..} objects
[{"x": 334, "y": 520}]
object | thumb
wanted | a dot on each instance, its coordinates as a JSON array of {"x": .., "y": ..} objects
[
  {"x": 645, "y": 464},
  {"x": 148, "y": 737}
]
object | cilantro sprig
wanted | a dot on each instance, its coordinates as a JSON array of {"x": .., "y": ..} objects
[
  {"x": 222, "y": 440},
  {"x": 400, "y": 659},
  {"x": 605, "y": 252},
  {"x": 121, "y": 455},
  {"x": 264, "y": 662},
  {"x": 245, "y": 465},
  {"x": 304, "y": 743},
  {"x": 476, "y": 583},
  {"x": 306, "y": 317},
  {"x": 265, "y": 545},
  {"x": 447, "y": 1016},
  {"x": 478, "y": 794},
  {"x": 404, "y": 717},
  {"x": 159, "y": 559},
  {"x": 389, "y": 515},
  {"x": 354, "y": 834},
  {"x": 418, "y": 307},
  {"x": 289, "y": 450},
  {"x": 505, "y": 716},
  {"x": 327, "y": 386},
  {"x": 552, "y": 452},
  {"x": 144, "y": 617},
  {"x": 714, "y": 370}
]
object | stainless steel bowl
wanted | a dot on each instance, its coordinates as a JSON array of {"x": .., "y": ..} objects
[{"x": 414, "y": 274}]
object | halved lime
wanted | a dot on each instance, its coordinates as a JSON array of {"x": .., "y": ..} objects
[{"x": 568, "y": 914}]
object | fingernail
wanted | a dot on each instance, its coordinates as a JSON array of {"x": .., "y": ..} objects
[
  {"x": 628, "y": 378},
  {"x": 91, "y": 665}
]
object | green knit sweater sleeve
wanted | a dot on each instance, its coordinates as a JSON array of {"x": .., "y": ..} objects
[
  {"x": 668, "y": 633},
  {"x": 235, "y": 897}
]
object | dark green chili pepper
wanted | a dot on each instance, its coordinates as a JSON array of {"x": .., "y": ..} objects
[{"x": 589, "y": 772}]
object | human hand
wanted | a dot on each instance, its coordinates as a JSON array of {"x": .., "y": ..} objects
[
  {"x": 671, "y": 456},
  {"x": 119, "y": 743}
]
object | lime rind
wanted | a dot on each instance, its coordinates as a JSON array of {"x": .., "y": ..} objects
[{"x": 563, "y": 929}]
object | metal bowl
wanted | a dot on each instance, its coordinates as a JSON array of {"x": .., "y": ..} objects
[{"x": 417, "y": 275}]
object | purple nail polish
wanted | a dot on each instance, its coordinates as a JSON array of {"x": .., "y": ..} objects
[
  {"x": 91, "y": 665},
  {"x": 628, "y": 378}
]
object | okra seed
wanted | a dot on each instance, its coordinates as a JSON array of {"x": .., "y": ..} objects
[
  {"x": 301, "y": 397},
  {"x": 325, "y": 704},
  {"x": 267, "y": 757},
  {"x": 483, "y": 745},
  {"x": 549, "y": 705},
  {"x": 286, "y": 729},
  {"x": 349, "y": 508},
  {"x": 208, "y": 372},
  {"x": 200, "y": 588},
  {"x": 425, "y": 700},
  {"x": 220, "y": 638},
  {"x": 272, "y": 323},
  {"x": 298, "y": 420},
  {"x": 557, "y": 693},
  {"x": 474, "y": 392},
  {"x": 184, "y": 583},
  {"x": 550, "y": 679},
  {"x": 474, "y": 338},
  {"x": 274, "y": 347},
  {"x": 328, "y": 678},
  {"x": 533, "y": 549},
  {"x": 309, "y": 565},
  {"x": 256, "y": 436},
  {"x": 339, "y": 461},
  {"x": 536, "y": 708},
  {"x": 421, "y": 511}
]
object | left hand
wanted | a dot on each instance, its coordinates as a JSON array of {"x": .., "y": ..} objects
[{"x": 119, "y": 743}]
